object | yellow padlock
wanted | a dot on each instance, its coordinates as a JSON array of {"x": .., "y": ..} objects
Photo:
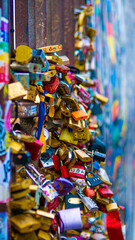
[
  {"x": 111, "y": 206},
  {"x": 42, "y": 235},
  {"x": 25, "y": 223},
  {"x": 23, "y": 54}
]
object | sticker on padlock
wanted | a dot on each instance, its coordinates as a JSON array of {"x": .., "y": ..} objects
[
  {"x": 52, "y": 48},
  {"x": 49, "y": 192},
  {"x": 77, "y": 171}
]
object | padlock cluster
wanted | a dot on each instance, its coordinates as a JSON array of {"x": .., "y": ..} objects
[{"x": 59, "y": 185}]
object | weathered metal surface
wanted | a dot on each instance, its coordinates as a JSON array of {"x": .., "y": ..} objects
[
  {"x": 41, "y": 39},
  {"x": 32, "y": 23},
  {"x": 68, "y": 33},
  {"x": 56, "y": 21},
  {"x": 46, "y": 22},
  {"x": 22, "y": 22},
  {"x": 49, "y": 22}
]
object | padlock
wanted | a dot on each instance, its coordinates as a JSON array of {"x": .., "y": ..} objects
[
  {"x": 77, "y": 171},
  {"x": 29, "y": 67},
  {"x": 65, "y": 111},
  {"x": 30, "y": 236},
  {"x": 22, "y": 158},
  {"x": 23, "y": 78},
  {"x": 104, "y": 177},
  {"x": 20, "y": 194},
  {"x": 72, "y": 102},
  {"x": 73, "y": 201},
  {"x": 38, "y": 56},
  {"x": 101, "y": 199},
  {"x": 54, "y": 59},
  {"x": 42, "y": 235},
  {"x": 64, "y": 88},
  {"x": 73, "y": 160},
  {"x": 88, "y": 202},
  {"x": 37, "y": 77},
  {"x": 83, "y": 156},
  {"x": 57, "y": 103},
  {"x": 67, "y": 136},
  {"x": 31, "y": 93},
  {"x": 16, "y": 147},
  {"x": 25, "y": 223},
  {"x": 23, "y": 204},
  {"x": 84, "y": 95},
  {"x": 23, "y": 54},
  {"x": 62, "y": 68},
  {"x": 93, "y": 181},
  {"x": 112, "y": 206},
  {"x": 52, "y": 85},
  {"x": 52, "y": 48},
  {"x": 63, "y": 151},
  {"x": 79, "y": 115},
  {"x": 64, "y": 171},
  {"x": 101, "y": 98},
  {"x": 53, "y": 204},
  {"x": 33, "y": 148},
  {"x": 90, "y": 192},
  {"x": 49, "y": 191},
  {"x": 63, "y": 186},
  {"x": 45, "y": 159},
  {"x": 101, "y": 157},
  {"x": 74, "y": 124},
  {"x": 20, "y": 185},
  {"x": 16, "y": 91},
  {"x": 105, "y": 192}
]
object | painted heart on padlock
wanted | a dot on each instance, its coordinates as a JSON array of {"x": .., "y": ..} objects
[{"x": 63, "y": 186}]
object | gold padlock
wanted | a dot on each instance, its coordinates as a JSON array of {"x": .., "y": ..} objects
[
  {"x": 63, "y": 151},
  {"x": 65, "y": 111},
  {"x": 57, "y": 103},
  {"x": 31, "y": 93},
  {"x": 16, "y": 147},
  {"x": 20, "y": 194},
  {"x": 111, "y": 206},
  {"x": 83, "y": 156},
  {"x": 16, "y": 91},
  {"x": 73, "y": 161},
  {"x": 58, "y": 115},
  {"x": 25, "y": 223},
  {"x": 100, "y": 199},
  {"x": 72, "y": 102},
  {"x": 74, "y": 124},
  {"x": 54, "y": 59},
  {"x": 67, "y": 136},
  {"x": 20, "y": 185},
  {"x": 42, "y": 235},
  {"x": 23, "y": 204},
  {"x": 30, "y": 236}
]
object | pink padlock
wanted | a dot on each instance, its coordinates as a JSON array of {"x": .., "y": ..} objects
[{"x": 84, "y": 95}]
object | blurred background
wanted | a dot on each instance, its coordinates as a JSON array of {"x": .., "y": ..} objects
[{"x": 37, "y": 23}]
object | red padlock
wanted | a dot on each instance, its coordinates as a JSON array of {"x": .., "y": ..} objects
[
  {"x": 64, "y": 171},
  {"x": 77, "y": 171},
  {"x": 56, "y": 162},
  {"x": 53, "y": 204}
]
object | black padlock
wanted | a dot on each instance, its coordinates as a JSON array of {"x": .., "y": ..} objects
[{"x": 22, "y": 158}]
